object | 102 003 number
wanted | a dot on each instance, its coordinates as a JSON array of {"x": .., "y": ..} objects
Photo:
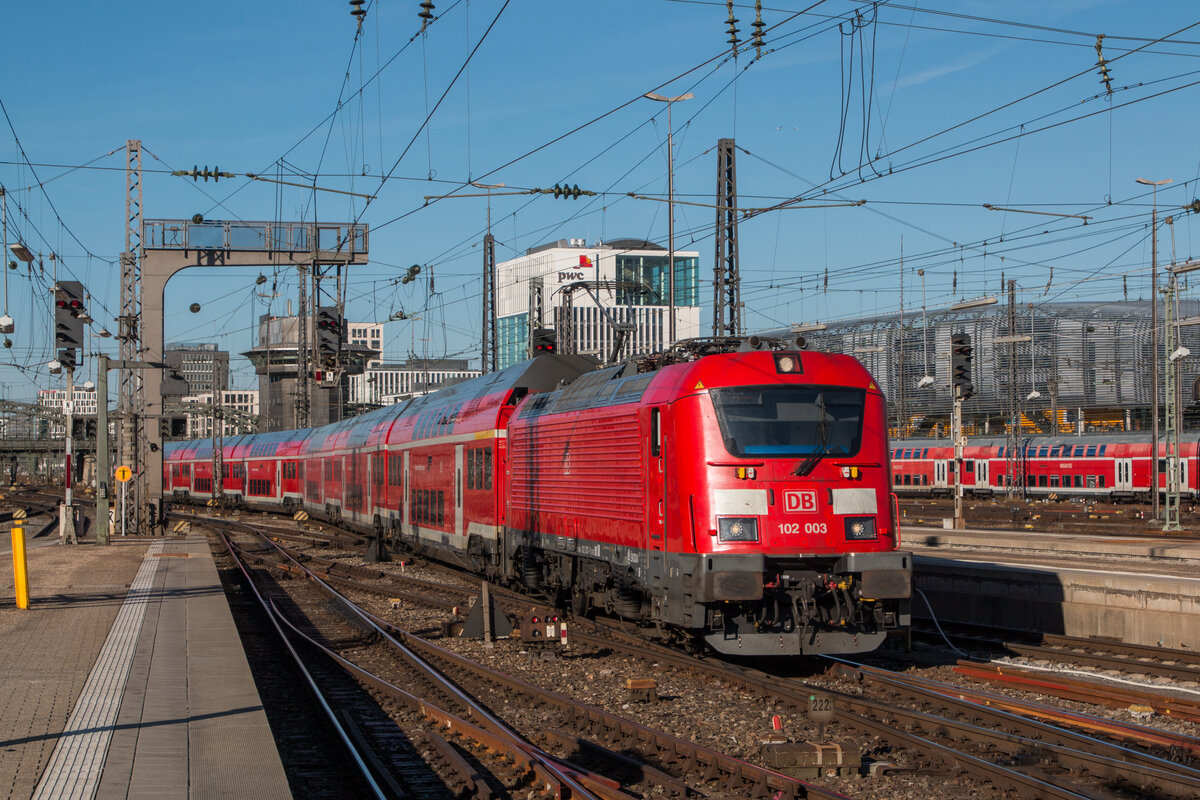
[{"x": 811, "y": 528}]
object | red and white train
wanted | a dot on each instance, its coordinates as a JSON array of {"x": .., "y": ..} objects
[
  {"x": 739, "y": 496},
  {"x": 1106, "y": 466}
]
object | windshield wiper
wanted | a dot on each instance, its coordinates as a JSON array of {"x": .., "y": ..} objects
[{"x": 810, "y": 463}]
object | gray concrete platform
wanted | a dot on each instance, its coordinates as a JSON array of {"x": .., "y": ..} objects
[
  {"x": 1134, "y": 589},
  {"x": 1162, "y": 549},
  {"x": 126, "y": 679}
]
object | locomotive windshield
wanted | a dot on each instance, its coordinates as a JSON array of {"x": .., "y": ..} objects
[{"x": 790, "y": 420}]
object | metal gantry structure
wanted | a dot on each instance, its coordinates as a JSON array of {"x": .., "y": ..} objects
[{"x": 727, "y": 295}]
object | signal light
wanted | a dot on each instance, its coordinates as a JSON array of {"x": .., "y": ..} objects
[
  {"x": 545, "y": 341},
  {"x": 328, "y": 331},
  {"x": 960, "y": 365},
  {"x": 69, "y": 314}
]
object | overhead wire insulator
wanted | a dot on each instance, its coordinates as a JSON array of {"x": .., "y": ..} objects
[
  {"x": 1101, "y": 62},
  {"x": 732, "y": 30},
  {"x": 357, "y": 11},
  {"x": 758, "y": 29},
  {"x": 195, "y": 173},
  {"x": 426, "y": 13}
]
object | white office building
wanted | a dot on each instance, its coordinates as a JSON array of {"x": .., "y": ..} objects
[
  {"x": 200, "y": 421},
  {"x": 384, "y": 384},
  {"x": 56, "y": 399},
  {"x": 585, "y": 288},
  {"x": 367, "y": 334}
]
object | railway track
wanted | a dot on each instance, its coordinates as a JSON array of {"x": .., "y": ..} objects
[
  {"x": 1099, "y": 519},
  {"x": 388, "y": 730},
  {"x": 1029, "y": 748},
  {"x": 658, "y": 761}
]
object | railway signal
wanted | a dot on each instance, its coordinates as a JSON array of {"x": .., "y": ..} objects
[
  {"x": 329, "y": 331},
  {"x": 69, "y": 314},
  {"x": 545, "y": 341},
  {"x": 960, "y": 365}
]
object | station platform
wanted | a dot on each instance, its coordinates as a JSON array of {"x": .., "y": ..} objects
[
  {"x": 1140, "y": 590},
  {"x": 126, "y": 678}
]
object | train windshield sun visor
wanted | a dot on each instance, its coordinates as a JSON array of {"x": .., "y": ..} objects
[{"x": 807, "y": 422}]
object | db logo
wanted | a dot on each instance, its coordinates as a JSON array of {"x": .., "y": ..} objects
[{"x": 800, "y": 502}]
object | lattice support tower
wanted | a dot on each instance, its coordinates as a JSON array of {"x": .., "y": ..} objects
[
  {"x": 303, "y": 370},
  {"x": 1171, "y": 434},
  {"x": 130, "y": 397},
  {"x": 537, "y": 308},
  {"x": 727, "y": 293},
  {"x": 218, "y": 438},
  {"x": 489, "y": 354},
  {"x": 1011, "y": 461}
]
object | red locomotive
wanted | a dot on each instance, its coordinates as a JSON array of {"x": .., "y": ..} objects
[
  {"x": 1102, "y": 466},
  {"x": 735, "y": 492}
]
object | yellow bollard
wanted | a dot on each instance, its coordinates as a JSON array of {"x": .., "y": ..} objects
[{"x": 20, "y": 575}]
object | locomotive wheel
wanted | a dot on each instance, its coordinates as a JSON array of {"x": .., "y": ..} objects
[{"x": 580, "y": 602}]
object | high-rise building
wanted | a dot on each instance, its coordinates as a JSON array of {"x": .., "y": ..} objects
[
  {"x": 585, "y": 288},
  {"x": 203, "y": 365}
]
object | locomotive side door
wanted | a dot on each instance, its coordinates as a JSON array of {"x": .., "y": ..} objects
[
  {"x": 458, "y": 490},
  {"x": 656, "y": 499}
]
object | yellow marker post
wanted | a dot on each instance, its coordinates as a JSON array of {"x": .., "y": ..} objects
[{"x": 20, "y": 574}]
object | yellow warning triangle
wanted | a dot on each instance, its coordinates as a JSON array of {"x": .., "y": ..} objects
[
  {"x": 871, "y": 385},
  {"x": 698, "y": 385}
]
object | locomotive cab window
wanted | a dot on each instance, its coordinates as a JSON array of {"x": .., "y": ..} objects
[{"x": 790, "y": 420}]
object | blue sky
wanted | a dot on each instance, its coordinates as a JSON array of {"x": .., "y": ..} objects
[{"x": 969, "y": 103}]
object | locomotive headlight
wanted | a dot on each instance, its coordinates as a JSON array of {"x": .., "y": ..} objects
[
  {"x": 737, "y": 529},
  {"x": 860, "y": 528},
  {"x": 787, "y": 364}
]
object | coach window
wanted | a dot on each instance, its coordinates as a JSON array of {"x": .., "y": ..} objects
[
  {"x": 1103, "y": 447},
  {"x": 1091, "y": 481},
  {"x": 1091, "y": 450},
  {"x": 1078, "y": 481},
  {"x": 1100, "y": 481},
  {"x": 394, "y": 475}
]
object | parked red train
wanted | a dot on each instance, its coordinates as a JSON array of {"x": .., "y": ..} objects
[
  {"x": 1109, "y": 466},
  {"x": 738, "y": 496}
]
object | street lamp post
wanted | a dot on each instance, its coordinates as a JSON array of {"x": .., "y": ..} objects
[
  {"x": 670, "y": 208},
  {"x": 1154, "y": 338}
]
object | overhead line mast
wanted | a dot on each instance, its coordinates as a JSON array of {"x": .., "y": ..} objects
[{"x": 129, "y": 395}]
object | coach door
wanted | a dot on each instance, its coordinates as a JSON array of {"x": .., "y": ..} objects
[
  {"x": 458, "y": 490},
  {"x": 1124, "y": 475},
  {"x": 406, "y": 502},
  {"x": 981, "y": 474},
  {"x": 941, "y": 471}
]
